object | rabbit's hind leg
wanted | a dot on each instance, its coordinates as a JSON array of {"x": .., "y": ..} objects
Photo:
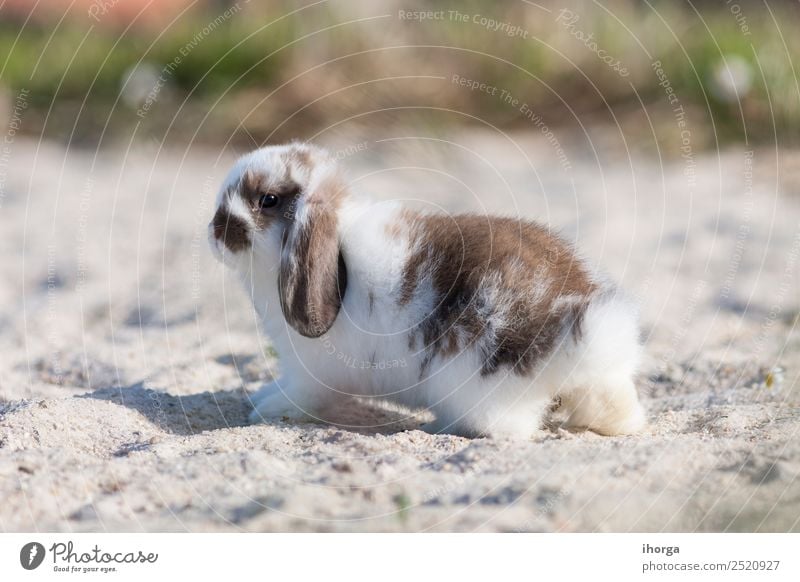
[{"x": 608, "y": 407}]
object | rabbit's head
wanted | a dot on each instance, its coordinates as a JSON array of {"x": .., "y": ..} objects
[{"x": 277, "y": 215}]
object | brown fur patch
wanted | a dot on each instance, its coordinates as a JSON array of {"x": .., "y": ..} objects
[
  {"x": 301, "y": 156},
  {"x": 497, "y": 282},
  {"x": 234, "y": 232}
]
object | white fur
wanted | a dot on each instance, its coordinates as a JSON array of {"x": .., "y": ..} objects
[{"x": 367, "y": 353}]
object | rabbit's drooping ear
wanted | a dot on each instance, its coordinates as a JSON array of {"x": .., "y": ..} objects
[{"x": 313, "y": 276}]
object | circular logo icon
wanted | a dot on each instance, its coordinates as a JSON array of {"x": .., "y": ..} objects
[{"x": 31, "y": 555}]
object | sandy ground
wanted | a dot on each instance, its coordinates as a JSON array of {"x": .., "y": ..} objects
[{"x": 128, "y": 354}]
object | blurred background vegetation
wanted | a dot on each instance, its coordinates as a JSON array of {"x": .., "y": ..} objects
[{"x": 227, "y": 71}]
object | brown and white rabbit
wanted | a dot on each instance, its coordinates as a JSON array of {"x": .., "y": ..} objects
[{"x": 483, "y": 320}]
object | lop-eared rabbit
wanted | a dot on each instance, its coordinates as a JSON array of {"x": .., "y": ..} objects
[{"x": 482, "y": 320}]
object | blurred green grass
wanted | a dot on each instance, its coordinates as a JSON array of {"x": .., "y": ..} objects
[
  {"x": 78, "y": 70},
  {"x": 73, "y": 61}
]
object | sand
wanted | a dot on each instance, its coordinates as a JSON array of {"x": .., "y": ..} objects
[{"x": 128, "y": 354}]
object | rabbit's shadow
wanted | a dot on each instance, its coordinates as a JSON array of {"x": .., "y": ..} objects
[
  {"x": 208, "y": 411},
  {"x": 182, "y": 415}
]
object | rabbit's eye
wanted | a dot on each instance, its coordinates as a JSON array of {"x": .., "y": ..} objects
[{"x": 268, "y": 201}]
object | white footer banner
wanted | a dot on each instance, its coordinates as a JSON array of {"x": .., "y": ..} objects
[{"x": 388, "y": 557}]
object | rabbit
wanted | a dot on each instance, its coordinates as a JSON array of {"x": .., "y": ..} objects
[{"x": 485, "y": 321}]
